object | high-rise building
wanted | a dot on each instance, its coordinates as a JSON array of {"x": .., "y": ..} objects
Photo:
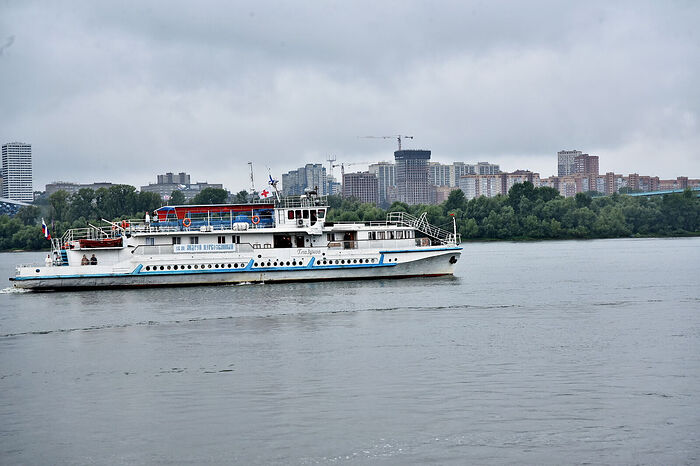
[
  {"x": 17, "y": 172},
  {"x": 485, "y": 168},
  {"x": 519, "y": 176},
  {"x": 169, "y": 182},
  {"x": 412, "y": 176},
  {"x": 586, "y": 164},
  {"x": 440, "y": 175},
  {"x": 311, "y": 176},
  {"x": 481, "y": 185},
  {"x": 386, "y": 176},
  {"x": 566, "y": 162},
  {"x": 169, "y": 178},
  {"x": 363, "y": 186},
  {"x": 461, "y": 169}
]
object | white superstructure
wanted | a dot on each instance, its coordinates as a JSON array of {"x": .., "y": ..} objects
[{"x": 261, "y": 242}]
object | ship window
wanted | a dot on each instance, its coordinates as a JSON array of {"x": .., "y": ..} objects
[
  {"x": 150, "y": 241},
  {"x": 298, "y": 214},
  {"x": 236, "y": 239},
  {"x": 235, "y": 266},
  {"x": 306, "y": 213},
  {"x": 290, "y": 215},
  {"x": 176, "y": 239},
  {"x": 372, "y": 235},
  {"x": 380, "y": 235},
  {"x": 221, "y": 239},
  {"x": 331, "y": 236},
  {"x": 169, "y": 267},
  {"x": 194, "y": 239},
  {"x": 391, "y": 235},
  {"x": 189, "y": 266},
  {"x": 321, "y": 213},
  {"x": 399, "y": 234}
]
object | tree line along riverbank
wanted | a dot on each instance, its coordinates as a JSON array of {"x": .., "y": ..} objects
[{"x": 525, "y": 213}]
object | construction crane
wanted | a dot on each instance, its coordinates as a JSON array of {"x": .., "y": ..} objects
[
  {"x": 342, "y": 166},
  {"x": 398, "y": 137},
  {"x": 330, "y": 160}
]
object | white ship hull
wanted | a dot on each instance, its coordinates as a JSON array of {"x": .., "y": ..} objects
[{"x": 427, "y": 263}]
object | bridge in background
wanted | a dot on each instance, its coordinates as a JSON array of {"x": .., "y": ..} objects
[
  {"x": 695, "y": 189},
  {"x": 10, "y": 207}
]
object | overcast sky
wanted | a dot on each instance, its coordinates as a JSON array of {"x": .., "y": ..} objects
[{"x": 122, "y": 91}]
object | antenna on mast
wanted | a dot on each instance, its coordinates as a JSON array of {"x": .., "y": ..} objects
[{"x": 252, "y": 183}]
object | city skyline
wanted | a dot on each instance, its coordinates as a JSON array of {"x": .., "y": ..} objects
[{"x": 100, "y": 90}]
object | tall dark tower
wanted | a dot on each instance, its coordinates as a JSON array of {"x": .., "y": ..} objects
[{"x": 412, "y": 176}]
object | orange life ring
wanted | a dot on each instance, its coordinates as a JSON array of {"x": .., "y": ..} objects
[
  {"x": 256, "y": 219},
  {"x": 186, "y": 222}
]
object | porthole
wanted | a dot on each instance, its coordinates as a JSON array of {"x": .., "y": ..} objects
[
  {"x": 174, "y": 267},
  {"x": 209, "y": 266},
  {"x": 235, "y": 266},
  {"x": 342, "y": 261},
  {"x": 216, "y": 266},
  {"x": 38, "y": 270},
  {"x": 161, "y": 267},
  {"x": 255, "y": 264},
  {"x": 374, "y": 260},
  {"x": 287, "y": 262},
  {"x": 337, "y": 262},
  {"x": 294, "y": 262},
  {"x": 354, "y": 261},
  {"x": 189, "y": 266},
  {"x": 275, "y": 264},
  {"x": 148, "y": 267},
  {"x": 229, "y": 266},
  {"x": 269, "y": 264},
  {"x": 196, "y": 266},
  {"x": 259, "y": 256}
]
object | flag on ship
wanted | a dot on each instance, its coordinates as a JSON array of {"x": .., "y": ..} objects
[
  {"x": 45, "y": 229},
  {"x": 264, "y": 194}
]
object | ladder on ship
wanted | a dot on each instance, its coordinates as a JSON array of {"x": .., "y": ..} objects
[{"x": 421, "y": 224}]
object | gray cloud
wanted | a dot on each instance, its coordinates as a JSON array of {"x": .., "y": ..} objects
[{"x": 126, "y": 90}]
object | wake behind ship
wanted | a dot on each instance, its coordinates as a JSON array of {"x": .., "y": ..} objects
[{"x": 287, "y": 240}]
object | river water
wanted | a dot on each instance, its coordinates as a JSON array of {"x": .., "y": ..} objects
[{"x": 534, "y": 353}]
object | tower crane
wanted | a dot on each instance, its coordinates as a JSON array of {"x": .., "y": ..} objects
[
  {"x": 398, "y": 137},
  {"x": 342, "y": 166}
]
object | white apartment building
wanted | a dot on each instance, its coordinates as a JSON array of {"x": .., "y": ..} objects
[
  {"x": 386, "y": 174},
  {"x": 17, "y": 172}
]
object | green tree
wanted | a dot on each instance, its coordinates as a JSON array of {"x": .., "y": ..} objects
[
  {"x": 241, "y": 197},
  {"x": 28, "y": 215},
  {"x": 210, "y": 196},
  {"x": 59, "y": 205},
  {"x": 177, "y": 197},
  {"x": 83, "y": 204},
  {"x": 456, "y": 200},
  {"x": 147, "y": 202}
]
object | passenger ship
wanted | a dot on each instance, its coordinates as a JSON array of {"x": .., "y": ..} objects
[{"x": 286, "y": 240}]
